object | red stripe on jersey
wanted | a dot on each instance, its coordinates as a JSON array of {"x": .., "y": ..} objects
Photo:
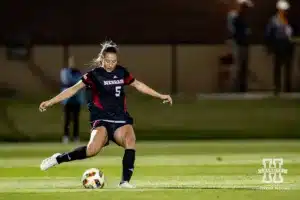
[
  {"x": 95, "y": 94},
  {"x": 128, "y": 79},
  {"x": 96, "y": 99},
  {"x": 87, "y": 80},
  {"x": 125, "y": 105}
]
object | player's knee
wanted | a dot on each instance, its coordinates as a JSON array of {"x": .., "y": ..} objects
[
  {"x": 130, "y": 141},
  {"x": 97, "y": 141},
  {"x": 93, "y": 149}
]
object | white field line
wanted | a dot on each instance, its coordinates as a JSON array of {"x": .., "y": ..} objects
[
  {"x": 171, "y": 160},
  {"x": 210, "y": 178},
  {"x": 154, "y": 183}
]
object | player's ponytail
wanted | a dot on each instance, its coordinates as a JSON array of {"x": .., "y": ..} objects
[{"x": 107, "y": 46}]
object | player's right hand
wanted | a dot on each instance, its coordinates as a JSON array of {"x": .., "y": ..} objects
[{"x": 44, "y": 105}]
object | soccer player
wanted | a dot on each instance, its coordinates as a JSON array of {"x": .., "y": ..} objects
[{"x": 109, "y": 118}]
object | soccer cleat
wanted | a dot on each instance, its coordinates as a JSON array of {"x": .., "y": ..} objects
[
  {"x": 49, "y": 162},
  {"x": 125, "y": 184}
]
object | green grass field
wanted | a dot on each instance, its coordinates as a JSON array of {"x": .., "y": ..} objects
[
  {"x": 205, "y": 170},
  {"x": 186, "y": 119}
]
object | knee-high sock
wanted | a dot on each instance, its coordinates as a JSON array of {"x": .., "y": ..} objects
[
  {"x": 77, "y": 154},
  {"x": 128, "y": 164}
]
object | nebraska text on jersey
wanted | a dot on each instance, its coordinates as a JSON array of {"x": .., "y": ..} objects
[{"x": 113, "y": 82}]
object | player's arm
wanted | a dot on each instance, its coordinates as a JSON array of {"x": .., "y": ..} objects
[
  {"x": 143, "y": 88},
  {"x": 63, "y": 95}
]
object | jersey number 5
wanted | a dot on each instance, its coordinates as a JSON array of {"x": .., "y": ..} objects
[{"x": 118, "y": 91}]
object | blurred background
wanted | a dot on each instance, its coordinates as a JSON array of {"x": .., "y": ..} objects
[{"x": 216, "y": 58}]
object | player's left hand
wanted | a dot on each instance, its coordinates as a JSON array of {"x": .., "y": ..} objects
[
  {"x": 167, "y": 99},
  {"x": 44, "y": 105}
]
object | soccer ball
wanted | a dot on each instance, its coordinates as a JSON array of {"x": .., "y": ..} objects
[{"x": 93, "y": 179}]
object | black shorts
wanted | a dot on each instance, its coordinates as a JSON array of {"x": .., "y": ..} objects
[{"x": 111, "y": 127}]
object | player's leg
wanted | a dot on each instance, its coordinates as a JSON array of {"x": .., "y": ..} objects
[
  {"x": 97, "y": 141},
  {"x": 125, "y": 137}
]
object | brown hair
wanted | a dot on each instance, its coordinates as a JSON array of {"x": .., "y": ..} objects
[{"x": 107, "y": 47}]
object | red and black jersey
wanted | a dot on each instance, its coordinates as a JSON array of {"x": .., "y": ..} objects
[{"x": 105, "y": 93}]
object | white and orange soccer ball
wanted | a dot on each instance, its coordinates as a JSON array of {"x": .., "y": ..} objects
[{"x": 93, "y": 178}]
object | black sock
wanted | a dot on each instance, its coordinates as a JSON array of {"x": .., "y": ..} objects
[
  {"x": 128, "y": 164},
  {"x": 77, "y": 154}
]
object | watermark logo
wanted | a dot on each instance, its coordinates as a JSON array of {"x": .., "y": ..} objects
[{"x": 272, "y": 170}]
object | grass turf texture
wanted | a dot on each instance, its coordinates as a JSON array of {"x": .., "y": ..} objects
[
  {"x": 187, "y": 119},
  {"x": 164, "y": 170}
]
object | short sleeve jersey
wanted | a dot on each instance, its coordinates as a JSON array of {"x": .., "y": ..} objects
[{"x": 105, "y": 93}]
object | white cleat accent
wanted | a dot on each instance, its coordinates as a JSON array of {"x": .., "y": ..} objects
[
  {"x": 49, "y": 162},
  {"x": 125, "y": 184}
]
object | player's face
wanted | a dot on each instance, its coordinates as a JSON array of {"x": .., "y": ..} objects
[{"x": 110, "y": 61}]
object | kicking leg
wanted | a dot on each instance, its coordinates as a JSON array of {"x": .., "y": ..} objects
[
  {"x": 97, "y": 141},
  {"x": 125, "y": 137}
]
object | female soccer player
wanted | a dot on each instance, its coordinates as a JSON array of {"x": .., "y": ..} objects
[{"x": 109, "y": 118}]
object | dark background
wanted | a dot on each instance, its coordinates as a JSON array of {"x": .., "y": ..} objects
[
  {"x": 56, "y": 29},
  {"x": 131, "y": 21}
]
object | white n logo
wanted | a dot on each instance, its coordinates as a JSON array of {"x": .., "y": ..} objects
[{"x": 272, "y": 170}]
